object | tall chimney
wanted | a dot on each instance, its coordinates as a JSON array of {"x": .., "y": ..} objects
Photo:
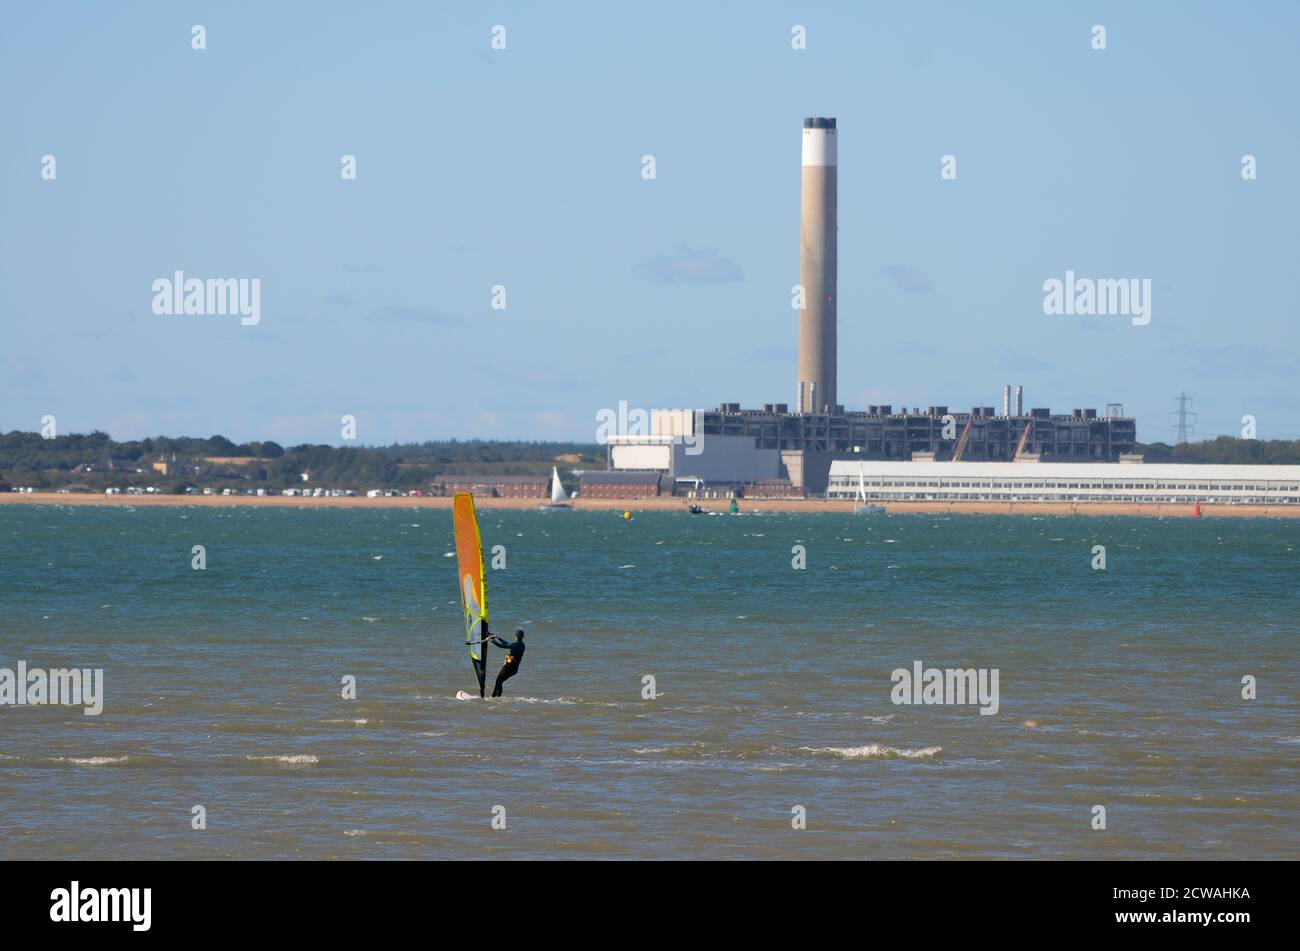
[
  {"x": 817, "y": 265},
  {"x": 1020, "y": 400},
  {"x": 1006, "y": 400}
]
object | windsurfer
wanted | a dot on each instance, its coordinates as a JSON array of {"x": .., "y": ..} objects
[{"x": 511, "y": 665}]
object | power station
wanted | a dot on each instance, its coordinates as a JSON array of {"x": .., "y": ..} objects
[{"x": 734, "y": 448}]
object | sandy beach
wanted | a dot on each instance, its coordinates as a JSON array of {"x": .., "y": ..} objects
[{"x": 659, "y": 505}]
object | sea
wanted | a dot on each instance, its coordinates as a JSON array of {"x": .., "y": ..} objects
[{"x": 280, "y": 683}]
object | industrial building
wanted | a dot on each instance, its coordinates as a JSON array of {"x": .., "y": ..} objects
[
  {"x": 881, "y": 432},
  {"x": 734, "y": 448},
  {"x": 882, "y": 481}
]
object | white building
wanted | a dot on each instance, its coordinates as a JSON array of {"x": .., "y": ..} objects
[
  {"x": 676, "y": 446},
  {"x": 1064, "y": 482}
]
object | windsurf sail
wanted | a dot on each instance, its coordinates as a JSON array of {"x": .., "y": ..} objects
[
  {"x": 557, "y": 487},
  {"x": 473, "y": 581},
  {"x": 862, "y": 485}
]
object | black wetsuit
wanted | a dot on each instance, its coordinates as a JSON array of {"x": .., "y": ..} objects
[{"x": 511, "y": 665}]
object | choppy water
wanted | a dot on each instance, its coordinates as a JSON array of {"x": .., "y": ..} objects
[{"x": 1120, "y": 688}]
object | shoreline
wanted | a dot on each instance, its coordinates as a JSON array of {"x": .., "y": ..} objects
[{"x": 662, "y": 504}]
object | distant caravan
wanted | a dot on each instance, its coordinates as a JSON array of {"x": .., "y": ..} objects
[{"x": 559, "y": 498}]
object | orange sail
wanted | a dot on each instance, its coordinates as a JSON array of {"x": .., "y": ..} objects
[{"x": 472, "y": 581}]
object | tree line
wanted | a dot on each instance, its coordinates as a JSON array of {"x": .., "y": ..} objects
[
  {"x": 95, "y": 461},
  {"x": 27, "y": 458},
  {"x": 1226, "y": 450}
]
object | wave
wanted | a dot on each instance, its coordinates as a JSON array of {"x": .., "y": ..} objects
[
  {"x": 692, "y": 749},
  {"x": 91, "y": 760},
  {"x": 300, "y": 759},
  {"x": 874, "y": 751}
]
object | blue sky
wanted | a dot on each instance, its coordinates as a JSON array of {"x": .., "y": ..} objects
[{"x": 522, "y": 167}]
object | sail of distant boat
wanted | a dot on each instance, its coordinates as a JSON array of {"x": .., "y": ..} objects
[
  {"x": 559, "y": 498},
  {"x": 473, "y": 581},
  {"x": 860, "y": 504}
]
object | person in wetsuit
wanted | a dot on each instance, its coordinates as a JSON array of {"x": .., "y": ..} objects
[{"x": 511, "y": 665}]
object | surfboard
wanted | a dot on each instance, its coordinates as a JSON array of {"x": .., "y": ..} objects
[
  {"x": 466, "y": 695},
  {"x": 472, "y": 580}
]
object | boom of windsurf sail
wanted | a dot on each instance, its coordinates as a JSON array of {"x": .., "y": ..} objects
[{"x": 473, "y": 581}]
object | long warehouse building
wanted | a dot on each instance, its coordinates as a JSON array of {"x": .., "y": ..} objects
[{"x": 1064, "y": 482}]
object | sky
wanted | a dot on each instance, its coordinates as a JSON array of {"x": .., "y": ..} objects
[{"x": 523, "y": 167}]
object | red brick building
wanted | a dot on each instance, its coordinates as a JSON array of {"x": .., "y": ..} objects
[
  {"x": 501, "y": 486},
  {"x": 619, "y": 485},
  {"x": 773, "y": 489}
]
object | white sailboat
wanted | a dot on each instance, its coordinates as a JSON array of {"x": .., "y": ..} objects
[
  {"x": 559, "y": 498},
  {"x": 861, "y": 505}
]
